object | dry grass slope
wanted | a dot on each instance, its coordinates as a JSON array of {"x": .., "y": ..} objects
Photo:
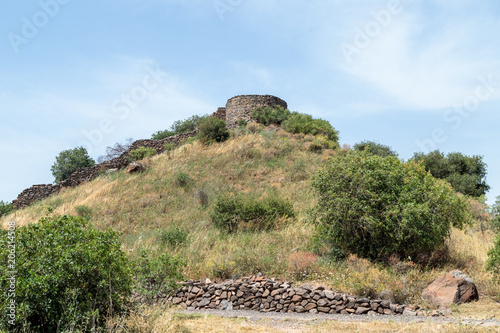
[{"x": 143, "y": 206}]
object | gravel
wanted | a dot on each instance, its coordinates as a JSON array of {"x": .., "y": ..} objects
[{"x": 307, "y": 317}]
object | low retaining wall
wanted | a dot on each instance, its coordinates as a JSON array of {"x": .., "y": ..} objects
[{"x": 268, "y": 295}]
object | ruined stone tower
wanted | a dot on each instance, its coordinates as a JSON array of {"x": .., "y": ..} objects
[{"x": 241, "y": 107}]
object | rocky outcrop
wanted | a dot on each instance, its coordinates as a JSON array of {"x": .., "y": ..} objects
[
  {"x": 135, "y": 167},
  {"x": 454, "y": 287},
  {"x": 269, "y": 295}
]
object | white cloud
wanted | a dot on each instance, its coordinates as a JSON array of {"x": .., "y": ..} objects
[{"x": 423, "y": 67}]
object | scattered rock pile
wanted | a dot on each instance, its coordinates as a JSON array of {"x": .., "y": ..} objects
[{"x": 268, "y": 295}]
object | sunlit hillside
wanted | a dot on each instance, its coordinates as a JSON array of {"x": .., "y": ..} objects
[{"x": 167, "y": 208}]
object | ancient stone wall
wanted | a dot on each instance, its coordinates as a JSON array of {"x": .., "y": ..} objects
[
  {"x": 35, "y": 193},
  {"x": 241, "y": 107},
  {"x": 220, "y": 114},
  {"x": 268, "y": 295},
  {"x": 81, "y": 175}
]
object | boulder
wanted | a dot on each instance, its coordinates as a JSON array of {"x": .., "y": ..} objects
[
  {"x": 135, "y": 167},
  {"x": 454, "y": 287}
]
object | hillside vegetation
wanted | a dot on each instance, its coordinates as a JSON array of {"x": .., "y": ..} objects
[{"x": 170, "y": 208}]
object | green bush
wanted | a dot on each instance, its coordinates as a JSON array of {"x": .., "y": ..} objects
[
  {"x": 184, "y": 180},
  {"x": 493, "y": 264},
  {"x": 141, "y": 153},
  {"x": 69, "y": 276},
  {"x": 377, "y": 207},
  {"x": 375, "y": 149},
  {"x": 495, "y": 215},
  {"x": 173, "y": 237},
  {"x": 68, "y": 161},
  {"x": 244, "y": 212},
  {"x": 5, "y": 208},
  {"x": 157, "y": 275},
  {"x": 212, "y": 130},
  {"x": 179, "y": 126},
  {"x": 84, "y": 211},
  {"x": 465, "y": 174},
  {"x": 268, "y": 115},
  {"x": 169, "y": 147},
  {"x": 304, "y": 123}
]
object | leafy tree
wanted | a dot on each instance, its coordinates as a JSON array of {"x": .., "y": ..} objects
[
  {"x": 115, "y": 151},
  {"x": 179, "y": 126},
  {"x": 70, "y": 276},
  {"x": 68, "y": 161},
  {"x": 466, "y": 175},
  {"x": 375, "y": 207},
  {"x": 5, "y": 208},
  {"x": 375, "y": 149},
  {"x": 212, "y": 130}
]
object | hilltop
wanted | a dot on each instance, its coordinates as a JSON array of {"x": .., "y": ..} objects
[{"x": 167, "y": 209}]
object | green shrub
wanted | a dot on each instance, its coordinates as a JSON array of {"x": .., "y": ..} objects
[
  {"x": 141, "y": 153},
  {"x": 495, "y": 216},
  {"x": 268, "y": 115},
  {"x": 304, "y": 123},
  {"x": 179, "y": 126},
  {"x": 213, "y": 130},
  {"x": 182, "y": 179},
  {"x": 377, "y": 207},
  {"x": 69, "y": 276},
  {"x": 173, "y": 237},
  {"x": 242, "y": 123},
  {"x": 84, "y": 211},
  {"x": 375, "y": 149},
  {"x": 169, "y": 147},
  {"x": 157, "y": 275},
  {"x": 315, "y": 147},
  {"x": 493, "y": 264},
  {"x": 5, "y": 208},
  {"x": 244, "y": 212},
  {"x": 68, "y": 161}
]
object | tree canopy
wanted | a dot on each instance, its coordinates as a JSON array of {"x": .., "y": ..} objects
[
  {"x": 466, "y": 174},
  {"x": 68, "y": 161}
]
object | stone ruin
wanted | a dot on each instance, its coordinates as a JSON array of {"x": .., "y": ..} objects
[
  {"x": 237, "y": 108},
  {"x": 269, "y": 295}
]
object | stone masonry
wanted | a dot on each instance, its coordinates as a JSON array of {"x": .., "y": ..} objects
[
  {"x": 241, "y": 107},
  {"x": 268, "y": 295}
]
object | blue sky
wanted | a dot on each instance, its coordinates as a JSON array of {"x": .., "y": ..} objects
[{"x": 414, "y": 75}]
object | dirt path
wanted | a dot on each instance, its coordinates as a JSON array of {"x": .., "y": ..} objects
[{"x": 293, "y": 322}]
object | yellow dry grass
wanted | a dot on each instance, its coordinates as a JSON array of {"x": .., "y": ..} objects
[
  {"x": 143, "y": 206},
  {"x": 159, "y": 319}
]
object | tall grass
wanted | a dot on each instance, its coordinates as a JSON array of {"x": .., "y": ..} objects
[{"x": 143, "y": 206}]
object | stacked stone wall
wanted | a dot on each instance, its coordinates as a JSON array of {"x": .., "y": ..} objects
[
  {"x": 241, "y": 107},
  {"x": 269, "y": 295},
  {"x": 81, "y": 175}
]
